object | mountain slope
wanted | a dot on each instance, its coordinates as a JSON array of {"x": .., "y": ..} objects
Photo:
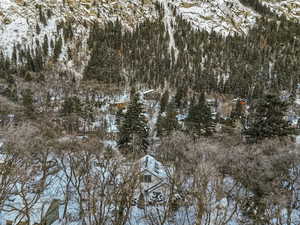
[{"x": 20, "y": 19}]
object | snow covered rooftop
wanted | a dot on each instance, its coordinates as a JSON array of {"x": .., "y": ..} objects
[
  {"x": 148, "y": 91},
  {"x": 110, "y": 144},
  {"x": 155, "y": 167},
  {"x": 70, "y": 138}
]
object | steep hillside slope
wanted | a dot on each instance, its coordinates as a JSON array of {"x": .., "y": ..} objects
[
  {"x": 19, "y": 18},
  {"x": 22, "y": 21},
  {"x": 36, "y": 34}
]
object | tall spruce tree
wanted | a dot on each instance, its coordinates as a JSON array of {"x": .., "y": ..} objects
[
  {"x": 71, "y": 105},
  {"x": 119, "y": 117},
  {"x": 45, "y": 45},
  {"x": 164, "y": 101},
  {"x": 28, "y": 104},
  {"x": 57, "y": 48},
  {"x": 14, "y": 55},
  {"x": 267, "y": 118},
  {"x": 199, "y": 121},
  {"x": 179, "y": 96},
  {"x": 133, "y": 129},
  {"x": 166, "y": 125},
  {"x": 42, "y": 17}
]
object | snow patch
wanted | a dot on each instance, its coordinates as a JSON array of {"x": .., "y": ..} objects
[
  {"x": 169, "y": 21},
  {"x": 225, "y": 17}
]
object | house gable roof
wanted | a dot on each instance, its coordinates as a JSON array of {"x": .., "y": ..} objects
[{"x": 153, "y": 166}]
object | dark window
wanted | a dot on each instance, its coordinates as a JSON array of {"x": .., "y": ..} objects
[{"x": 147, "y": 178}]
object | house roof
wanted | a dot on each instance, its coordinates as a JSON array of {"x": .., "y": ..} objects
[
  {"x": 155, "y": 167},
  {"x": 148, "y": 91}
]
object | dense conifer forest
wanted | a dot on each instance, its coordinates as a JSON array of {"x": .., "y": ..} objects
[{"x": 265, "y": 58}]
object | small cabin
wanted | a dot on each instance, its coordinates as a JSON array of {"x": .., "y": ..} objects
[{"x": 151, "y": 95}]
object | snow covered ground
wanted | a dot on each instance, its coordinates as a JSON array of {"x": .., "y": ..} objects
[
  {"x": 226, "y": 17},
  {"x": 169, "y": 21},
  {"x": 13, "y": 27},
  {"x": 289, "y": 8}
]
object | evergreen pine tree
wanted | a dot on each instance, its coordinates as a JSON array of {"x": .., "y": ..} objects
[
  {"x": 37, "y": 29},
  {"x": 48, "y": 101},
  {"x": 119, "y": 117},
  {"x": 71, "y": 105},
  {"x": 42, "y": 16},
  {"x": 267, "y": 118},
  {"x": 29, "y": 62},
  {"x": 45, "y": 45},
  {"x": 69, "y": 51},
  {"x": 38, "y": 60},
  {"x": 179, "y": 96},
  {"x": 159, "y": 125},
  {"x": 166, "y": 125},
  {"x": 28, "y": 103},
  {"x": 199, "y": 120},
  {"x": 49, "y": 13},
  {"x": 51, "y": 44},
  {"x": 164, "y": 101},
  {"x": 87, "y": 112},
  {"x": 57, "y": 48},
  {"x": 14, "y": 55},
  {"x": 134, "y": 129}
]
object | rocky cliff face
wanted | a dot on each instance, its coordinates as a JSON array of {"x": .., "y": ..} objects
[
  {"x": 23, "y": 21},
  {"x": 26, "y": 22}
]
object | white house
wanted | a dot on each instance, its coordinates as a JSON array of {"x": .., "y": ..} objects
[{"x": 154, "y": 178}]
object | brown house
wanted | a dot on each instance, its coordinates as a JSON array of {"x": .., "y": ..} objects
[{"x": 118, "y": 105}]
